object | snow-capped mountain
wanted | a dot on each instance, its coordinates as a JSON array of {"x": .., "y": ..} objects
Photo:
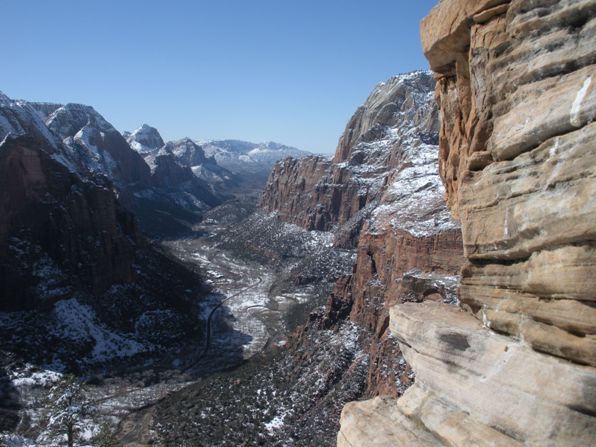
[
  {"x": 71, "y": 256},
  {"x": 251, "y": 160},
  {"x": 190, "y": 154},
  {"x": 21, "y": 118},
  {"x": 83, "y": 141},
  {"x": 96, "y": 146},
  {"x": 386, "y": 155},
  {"x": 145, "y": 139},
  {"x": 228, "y": 165}
]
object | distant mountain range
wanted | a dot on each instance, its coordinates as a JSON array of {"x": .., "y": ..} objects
[
  {"x": 229, "y": 165},
  {"x": 168, "y": 185}
]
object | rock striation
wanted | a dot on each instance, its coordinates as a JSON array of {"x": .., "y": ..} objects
[{"x": 514, "y": 364}]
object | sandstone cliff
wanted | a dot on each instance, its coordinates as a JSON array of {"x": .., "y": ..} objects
[{"x": 515, "y": 363}]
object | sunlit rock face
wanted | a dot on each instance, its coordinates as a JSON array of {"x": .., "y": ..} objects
[
  {"x": 514, "y": 363},
  {"x": 382, "y": 195},
  {"x": 96, "y": 147},
  {"x": 144, "y": 140},
  {"x": 396, "y": 126}
]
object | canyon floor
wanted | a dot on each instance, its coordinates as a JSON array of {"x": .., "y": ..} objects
[{"x": 257, "y": 297}]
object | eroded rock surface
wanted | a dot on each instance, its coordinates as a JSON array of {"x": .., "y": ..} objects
[
  {"x": 515, "y": 364},
  {"x": 79, "y": 284}
]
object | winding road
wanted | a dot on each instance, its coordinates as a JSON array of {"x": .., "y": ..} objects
[
  {"x": 210, "y": 318},
  {"x": 136, "y": 425}
]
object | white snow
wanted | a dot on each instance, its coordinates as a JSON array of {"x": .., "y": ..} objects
[
  {"x": 240, "y": 156},
  {"x": 78, "y": 321},
  {"x": 575, "y": 112},
  {"x": 25, "y": 377},
  {"x": 276, "y": 423}
]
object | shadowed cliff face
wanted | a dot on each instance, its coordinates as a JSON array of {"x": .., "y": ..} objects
[
  {"x": 515, "y": 364},
  {"x": 79, "y": 285},
  {"x": 45, "y": 206},
  {"x": 167, "y": 201}
]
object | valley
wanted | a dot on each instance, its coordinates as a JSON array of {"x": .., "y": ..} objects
[
  {"x": 429, "y": 284},
  {"x": 282, "y": 316},
  {"x": 250, "y": 309}
]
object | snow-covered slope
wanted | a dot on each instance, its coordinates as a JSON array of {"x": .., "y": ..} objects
[
  {"x": 82, "y": 140},
  {"x": 386, "y": 158},
  {"x": 144, "y": 140},
  {"x": 249, "y": 159},
  {"x": 96, "y": 145},
  {"x": 147, "y": 141},
  {"x": 229, "y": 165},
  {"x": 21, "y": 118}
]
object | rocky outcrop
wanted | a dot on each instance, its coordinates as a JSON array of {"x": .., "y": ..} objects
[
  {"x": 515, "y": 363},
  {"x": 401, "y": 104},
  {"x": 89, "y": 146},
  {"x": 96, "y": 147},
  {"x": 170, "y": 176},
  {"x": 318, "y": 194},
  {"x": 172, "y": 162},
  {"x": 144, "y": 140}
]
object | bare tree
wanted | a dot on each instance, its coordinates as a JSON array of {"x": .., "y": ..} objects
[{"x": 68, "y": 406}]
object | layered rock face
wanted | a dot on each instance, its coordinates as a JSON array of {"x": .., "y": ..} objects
[
  {"x": 318, "y": 194},
  {"x": 515, "y": 363}
]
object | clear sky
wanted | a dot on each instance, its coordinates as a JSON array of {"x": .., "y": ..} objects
[{"x": 291, "y": 71}]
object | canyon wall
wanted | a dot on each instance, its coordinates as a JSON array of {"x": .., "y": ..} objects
[
  {"x": 514, "y": 364},
  {"x": 73, "y": 263},
  {"x": 321, "y": 194},
  {"x": 46, "y": 209},
  {"x": 381, "y": 193}
]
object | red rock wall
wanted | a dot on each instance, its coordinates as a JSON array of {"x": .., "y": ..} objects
[{"x": 78, "y": 224}]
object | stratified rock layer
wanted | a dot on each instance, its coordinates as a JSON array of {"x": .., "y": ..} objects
[{"x": 515, "y": 365}]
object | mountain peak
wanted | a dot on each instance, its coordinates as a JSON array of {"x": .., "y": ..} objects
[
  {"x": 3, "y": 97},
  {"x": 145, "y": 139}
]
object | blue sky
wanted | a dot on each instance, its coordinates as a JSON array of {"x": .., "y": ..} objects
[{"x": 291, "y": 71}]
